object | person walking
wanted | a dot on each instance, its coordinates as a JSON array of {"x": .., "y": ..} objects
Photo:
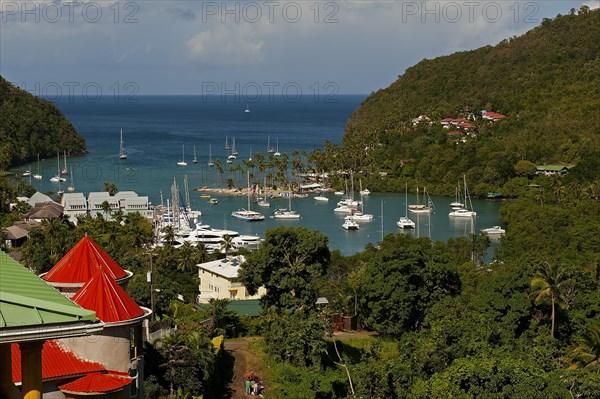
[{"x": 248, "y": 385}]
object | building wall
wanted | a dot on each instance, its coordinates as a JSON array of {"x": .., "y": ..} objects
[
  {"x": 116, "y": 348},
  {"x": 218, "y": 287}
]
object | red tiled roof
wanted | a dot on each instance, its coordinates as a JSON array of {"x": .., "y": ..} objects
[
  {"x": 104, "y": 296},
  {"x": 494, "y": 115},
  {"x": 56, "y": 362},
  {"x": 465, "y": 124},
  {"x": 454, "y": 133},
  {"x": 96, "y": 382},
  {"x": 82, "y": 262}
]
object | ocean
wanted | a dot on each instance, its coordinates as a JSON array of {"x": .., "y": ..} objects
[{"x": 157, "y": 130}]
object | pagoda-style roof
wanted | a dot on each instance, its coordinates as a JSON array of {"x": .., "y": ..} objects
[
  {"x": 104, "y": 296},
  {"x": 82, "y": 262},
  {"x": 96, "y": 383},
  {"x": 57, "y": 363},
  {"x": 32, "y": 310}
]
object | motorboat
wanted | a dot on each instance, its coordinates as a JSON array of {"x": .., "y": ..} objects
[
  {"x": 338, "y": 193},
  {"x": 494, "y": 231},
  {"x": 213, "y": 238},
  {"x": 344, "y": 209},
  {"x": 213, "y": 201},
  {"x": 321, "y": 198},
  {"x": 462, "y": 213},
  {"x": 359, "y": 216}
]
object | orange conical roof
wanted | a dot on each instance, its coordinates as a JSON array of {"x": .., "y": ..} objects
[
  {"x": 82, "y": 262},
  {"x": 104, "y": 296}
]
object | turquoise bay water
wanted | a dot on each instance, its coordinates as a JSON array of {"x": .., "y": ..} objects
[{"x": 156, "y": 127}]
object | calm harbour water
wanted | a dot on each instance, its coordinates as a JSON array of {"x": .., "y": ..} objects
[{"x": 156, "y": 127}]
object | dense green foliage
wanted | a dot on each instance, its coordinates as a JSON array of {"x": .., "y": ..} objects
[
  {"x": 30, "y": 125},
  {"x": 546, "y": 83}
]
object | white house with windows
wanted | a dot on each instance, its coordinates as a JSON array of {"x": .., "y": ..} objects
[{"x": 219, "y": 280}]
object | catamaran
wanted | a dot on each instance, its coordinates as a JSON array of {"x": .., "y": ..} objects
[
  {"x": 122, "y": 154},
  {"x": 404, "y": 222},
  {"x": 182, "y": 162},
  {"x": 350, "y": 224}
]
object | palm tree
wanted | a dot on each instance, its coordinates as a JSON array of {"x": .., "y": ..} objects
[
  {"x": 587, "y": 352},
  {"x": 226, "y": 243},
  {"x": 169, "y": 234},
  {"x": 186, "y": 261},
  {"x": 548, "y": 281},
  {"x": 105, "y": 206}
]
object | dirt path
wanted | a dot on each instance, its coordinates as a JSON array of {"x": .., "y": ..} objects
[{"x": 245, "y": 362}]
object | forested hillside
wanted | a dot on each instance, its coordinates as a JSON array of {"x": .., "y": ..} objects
[
  {"x": 545, "y": 83},
  {"x": 30, "y": 125}
]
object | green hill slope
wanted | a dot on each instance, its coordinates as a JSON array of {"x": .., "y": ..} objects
[
  {"x": 547, "y": 83},
  {"x": 30, "y": 126}
]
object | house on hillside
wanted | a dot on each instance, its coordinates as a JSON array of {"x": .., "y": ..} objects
[
  {"x": 492, "y": 116},
  {"x": 219, "y": 280},
  {"x": 553, "y": 170}
]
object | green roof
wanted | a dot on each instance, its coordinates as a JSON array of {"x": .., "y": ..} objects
[
  {"x": 248, "y": 307},
  {"x": 26, "y": 300},
  {"x": 554, "y": 168}
]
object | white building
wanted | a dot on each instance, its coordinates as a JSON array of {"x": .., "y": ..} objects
[
  {"x": 219, "y": 280},
  {"x": 75, "y": 204}
]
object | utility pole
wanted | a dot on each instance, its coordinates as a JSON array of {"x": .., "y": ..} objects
[{"x": 150, "y": 279}]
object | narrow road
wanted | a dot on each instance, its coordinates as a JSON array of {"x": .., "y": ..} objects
[{"x": 245, "y": 362}]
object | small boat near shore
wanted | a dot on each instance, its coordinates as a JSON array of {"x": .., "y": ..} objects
[{"x": 494, "y": 231}]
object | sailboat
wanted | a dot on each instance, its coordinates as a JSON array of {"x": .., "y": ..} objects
[
  {"x": 233, "y": 154},
  {"x": 361, "y": 216},
  {"x": 227, "y": 147},
  {"x": 247, "y": 215},
  {"x": 195, "y": 160},
  {"x": 260, "y": 201},
  {"x": 464, "y": 212},
  {"x": 122, "y": 154},
  {"x": 247, "y": 109},
  {"x": 270, "y": 149},
  {"x": 65, "y": 171},
  {"x": 210, "y": 162},
  {"x": 58, "y": 177},
  {"x": 71, "y": 187},
  {"x": 457, "y": 204},
  {"x": 425, "y": 207},
  {"x": 365, "y": 191},
  {"x": 277, "y": 153},
  {"x": 38, "y": 176},
  {"x": 182, "y": 162},
  {"x": 404, "y": 222},
  {"x": 283, "y": 213}
]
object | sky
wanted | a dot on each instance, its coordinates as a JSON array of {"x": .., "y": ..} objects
[{"x": 244, "y": 48}]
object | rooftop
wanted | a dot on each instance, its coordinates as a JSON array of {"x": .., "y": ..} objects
[
  {"x": 27, "y": 303},
  {"x": 80, "y": 264},
  {"x": 227, "y": 267},
  {"x": 104, "y": 296}
]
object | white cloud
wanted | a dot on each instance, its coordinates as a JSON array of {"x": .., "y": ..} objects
[{"x": 226, "y": 45}]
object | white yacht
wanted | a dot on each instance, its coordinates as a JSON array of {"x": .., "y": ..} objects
[
  {"x": 344, "y": 209},
  {"x": 212, "y": 238},
  {"x": 321, "y": 198},
  {"x": 288, "y": 213},
  {"x": 247, "y": 215}
]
